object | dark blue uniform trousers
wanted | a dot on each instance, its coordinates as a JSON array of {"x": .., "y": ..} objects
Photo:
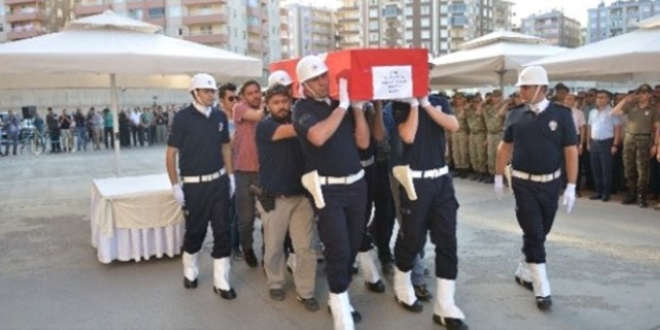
[
  {"x": 536, "y": 206},
  {"x": 383, "y": 223},
  {"x": 435, "y": 211},
  {"x": 207, "y": 201},
  {"x": 601, "y": 165},
  {"x": 370, "y": 179},
  {"x": 341, "y": 228}
]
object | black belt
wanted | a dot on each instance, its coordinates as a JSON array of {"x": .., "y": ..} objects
[
  {"x": 603, "y": 140},
  {"x": 640, "y": 135}
]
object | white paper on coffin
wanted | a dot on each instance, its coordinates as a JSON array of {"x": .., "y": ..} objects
[{"x": 392, "y": 82}]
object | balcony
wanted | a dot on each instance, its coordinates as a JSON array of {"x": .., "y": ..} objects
[
  {"x": 155, "y": 3},
  {"x": 202, "y": 2},
  {"x": 349, "y": 19},
  {"x": 255, "y": 47},
  {"x": 209, "y": 39},
  {"x": 25, "y": 17},
  {"x": 254, "y": 29},
  {"x": 284, "y": 27},
  {"x": 18, "y": 35},
  {"x": 22, "y": 2},
  {"x": 156, "y": 21},
  {"x": 86, "y": 10},
  {"x": 254, "y": 11},
  {"x": 205, "y": 19}
]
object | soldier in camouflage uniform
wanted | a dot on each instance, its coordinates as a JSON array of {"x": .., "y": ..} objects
[
  {"x": 478, "y": 143},
  {"x": 460, "y": 138},
  {"x": 494, "y": 113},
  {"x": 641, "y": 126}
]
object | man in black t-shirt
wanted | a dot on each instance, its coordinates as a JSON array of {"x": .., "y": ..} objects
[
  {"x": 200, "y": 137},
  {"x": 283, "y": 206}
]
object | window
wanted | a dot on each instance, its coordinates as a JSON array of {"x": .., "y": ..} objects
[
  {"x": 373, "y": 2},
  {"x": 444, "y": 34},
  {"x": 206, "y": 29},
  {"x": 2, "y": 28},
  {"x": 205, "y": 10},
  {"x": 373, "y": 36},
  {"x": 373, "y": 25},
  {"x": 158, "y": 12},
  {"x": 426, "y": 10},
  {"x": 373, "y": 13},
  {"x": 426, "y": 22},
  {"x": 409, "y": 23},
  {"x": 426, "y": 34},
  {"x": 180, "y": 31},
  {"x": 135, "y": 13},
  {"x": 444, "y": 21},
  {"x": 408, "y": 11},
  {"x": 409, "y": 35}
]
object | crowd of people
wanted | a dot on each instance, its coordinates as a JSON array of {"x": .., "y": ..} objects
[{"x": 334, "y": 176}]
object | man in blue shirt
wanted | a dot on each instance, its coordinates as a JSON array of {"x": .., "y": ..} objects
[
  {"x": 604, "y": 131},
  {"x": 540, "y": 136}
]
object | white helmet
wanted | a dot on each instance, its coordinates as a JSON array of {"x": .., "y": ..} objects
[
  {"x": 533, "y": 76},
  {"x": 310, "y": 67},
  {"x": 279, "y": 77},
  {"x": 203, "y": 81}
]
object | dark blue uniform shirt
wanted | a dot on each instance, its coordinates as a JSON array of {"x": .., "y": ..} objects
[
  {"x": 199, "y": 140},
  {"x": 281, "y": 163},
  {"x": 428, "y": 150},
  {"x": 339, "y": 156},
  {"x": 539, "y": 140}
]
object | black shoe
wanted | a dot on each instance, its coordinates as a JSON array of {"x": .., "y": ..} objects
[
  {"x": 188, "y": 284},
  {"x": 480, "y": 177},
  {"x": 310, "y": 304},
  {"x": 642, "y": 202},
  {"x": 277, "y": 294},
  {"x": 606, "y": 198},
  {"x": 250, "y": 258},
  {"x": 357, "y": 317},
  {"x": 473, "y": 176},
  {"x": 450, "y": 324},
  {"x": 526, "y": 285},
  {"x": 378, "y": 287},
  {"x": 595, "y": 197},
  {"x": 416, "y": 307},
  {"x": 630, "y": 199},
  {"x": 463, "y": 173},
  {"x": 544, "y": 303},
  {"x": 227, "y": 295},
  {"x": 489, "y": 179},
  {"x": 422, "y": 293}
]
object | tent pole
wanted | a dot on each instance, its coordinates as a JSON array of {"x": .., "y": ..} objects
[
  {"x": 115, "y": 120},
  {"x": 501, "y": 74}
]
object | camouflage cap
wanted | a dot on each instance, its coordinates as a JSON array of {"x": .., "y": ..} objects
[{"x": 645, "y": 88}]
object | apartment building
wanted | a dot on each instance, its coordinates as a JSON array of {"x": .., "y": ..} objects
[
  {"x": 554, "y": 26},
  {"x": 438, "y": 25},
  {"x": 618, "y": 18},
  {"x": 21, "y": 19},
  {"x": 311, "y": 29}
]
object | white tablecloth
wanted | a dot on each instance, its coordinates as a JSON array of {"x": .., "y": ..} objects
[{"x": 135, "y": 218}]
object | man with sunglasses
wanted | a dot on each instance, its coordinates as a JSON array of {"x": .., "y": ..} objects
[
  {"x": 642, "y": 126},
  {"x": 200, "y": 139},
  {"x": 540, "y": 136}
]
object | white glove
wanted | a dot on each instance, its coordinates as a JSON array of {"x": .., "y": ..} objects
[
  {"x": 177, "y": 191},
  {"x": 344, "y": 100},
  {"x": 358, "y": 104},
  {"x": 232, "y": 185},
  {"x": 412, "y": 101},
  {"x": 569, "y": 197},
  {"x": 499, "y": 187},
  {"x": 424, "y": 101}
]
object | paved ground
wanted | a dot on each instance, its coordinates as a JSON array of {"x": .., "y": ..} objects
[{"x": 604, "y": 265}]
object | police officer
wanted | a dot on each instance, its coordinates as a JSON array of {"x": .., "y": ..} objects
[
  {"x": 330, "y": 135},
  {"x": 432, "y": 206},
  {"x": 641, "y": 125},
  {"x": 200, "y": 138},
  {"x": 461, "y": 138},
  {"x": 365, "y": 257},
  {"x": 540, "y": 135},
  {"x": 283, "y": 206},
  {"x": 281, "y": 78}
]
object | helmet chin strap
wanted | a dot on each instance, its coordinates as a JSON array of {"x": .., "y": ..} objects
[
  {"x": 312, "y": 94},
  {"x": 536, "y": 94}
]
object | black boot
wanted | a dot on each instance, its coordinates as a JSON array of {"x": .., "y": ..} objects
[
  {"x": 449, "y": 323},
  {"x": 642, "y": 200},
  {"x": 464, "y": 173},
  {"x": 544, "y": 303},
  {"x": 630, "y": 198},
  {"x": 489, "y": 179}
]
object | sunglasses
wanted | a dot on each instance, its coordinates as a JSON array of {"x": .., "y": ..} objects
[{"x": 232, "y": 98}]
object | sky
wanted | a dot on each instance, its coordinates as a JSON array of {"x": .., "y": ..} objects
[{"x": 572, "y": 8}]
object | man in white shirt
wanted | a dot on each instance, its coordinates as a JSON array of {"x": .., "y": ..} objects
[
  {"x": 604, "y": 137},
  {"x": 135, "y": 127}
]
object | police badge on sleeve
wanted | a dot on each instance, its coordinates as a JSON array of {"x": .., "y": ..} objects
[{"x": 220, "y": 127}]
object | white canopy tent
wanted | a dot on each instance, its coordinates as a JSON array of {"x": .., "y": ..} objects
[
  {"x": 118, "y": 48},
  {"x": 634, "y": 56},
  {"x": 493, "y": 59}
]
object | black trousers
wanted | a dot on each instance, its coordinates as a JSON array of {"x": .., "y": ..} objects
[
  {"x": 109, "y": 137},
  {"x": 654, "y": 177},
  {"x": 435, "y": 211},
  {"x": 585, "y": 167},
  {"x": 536, "y": 207},
  {"x": 135, "y": 132},
  {"x": 207, "y": 201},
  {"x": 341, "y": 228},
  {"x": 618, "y": 177},
  {"x": 601, "y": 166},
  {"x": 370, "y": 179},
  {"x": 383, "y": 224},
  {"x": 55, "y": 145}
]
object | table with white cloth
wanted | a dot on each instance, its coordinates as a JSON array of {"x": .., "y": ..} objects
[{"x": 135, "y": 218}]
